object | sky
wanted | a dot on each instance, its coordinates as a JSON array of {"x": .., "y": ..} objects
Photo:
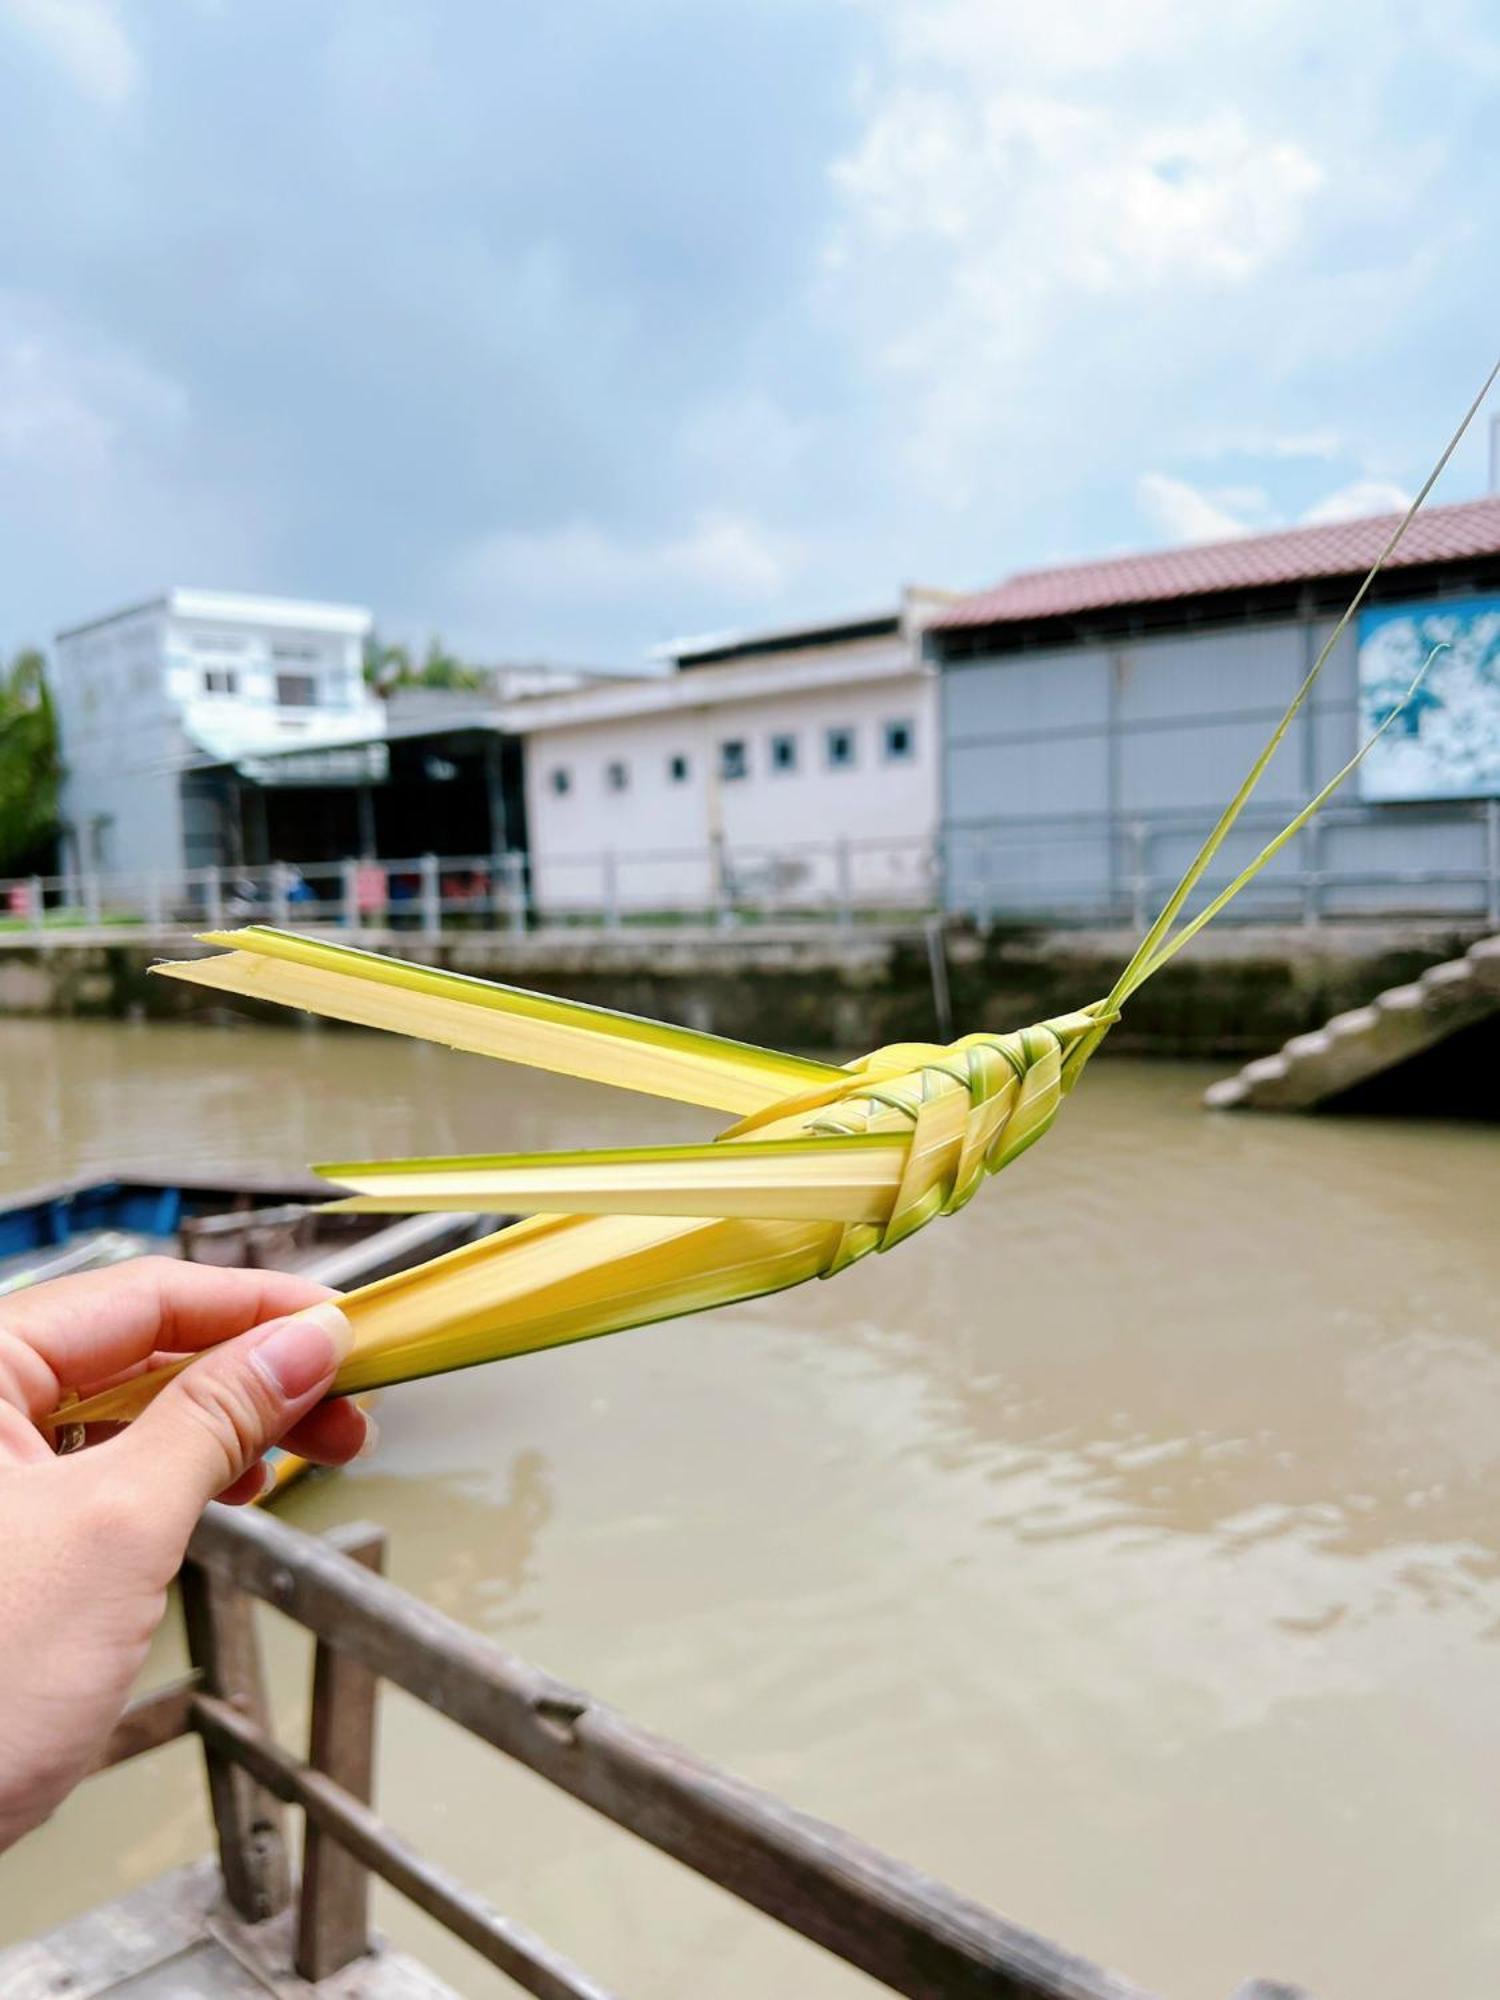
[{"x": 564, "y": 330}]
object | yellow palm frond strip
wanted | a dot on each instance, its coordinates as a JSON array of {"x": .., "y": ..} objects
[{"x": 484, "y": 1018}]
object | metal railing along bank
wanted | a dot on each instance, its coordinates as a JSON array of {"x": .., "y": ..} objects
[{"x": 1078, "y": 869}]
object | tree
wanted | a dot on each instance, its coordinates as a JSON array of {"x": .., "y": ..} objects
[
  {"x": 30, "y": 765},
  {"x": 390, "y": 665}
]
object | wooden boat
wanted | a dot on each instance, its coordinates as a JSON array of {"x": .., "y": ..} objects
[{"x": 265, "y": 1224}]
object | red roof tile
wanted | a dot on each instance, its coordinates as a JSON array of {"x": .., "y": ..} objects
[{"x": 1343, "y": 548}]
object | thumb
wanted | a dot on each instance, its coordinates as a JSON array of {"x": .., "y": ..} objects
[{"x": 214, "y": 1420}]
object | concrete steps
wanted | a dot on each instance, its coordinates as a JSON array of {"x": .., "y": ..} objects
[{"x": 1349, "y": 1049}]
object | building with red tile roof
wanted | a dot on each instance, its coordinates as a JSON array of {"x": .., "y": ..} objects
[
  {"x": 1336, "y": 553},
  {"x": 1096, "y": 717}
]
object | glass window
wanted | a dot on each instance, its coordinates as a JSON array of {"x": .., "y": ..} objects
[
  {"x": 296, "y": 691},
  {"x": 734, "y": 759},
  {"x": 561, "y": 780},
  {"x": 840, "y": 746},
  {"x": 783, "y": 753},
  {"x": 900, "y": 739},
  {"x": 221, "y": 680},
  {"x": 617, "y": 776},
  {"x": 677, "y": 769}
]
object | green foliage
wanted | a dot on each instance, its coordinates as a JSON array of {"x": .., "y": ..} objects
[
  {"x": 30, "y": 766},
  {"x": 390, "y": 665}
]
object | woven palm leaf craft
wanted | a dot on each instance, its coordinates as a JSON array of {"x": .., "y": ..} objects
[{"x": 822, "y": 1165}]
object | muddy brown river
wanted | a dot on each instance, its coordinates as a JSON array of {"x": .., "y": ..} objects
[{"x": 1125, "y": 1551}]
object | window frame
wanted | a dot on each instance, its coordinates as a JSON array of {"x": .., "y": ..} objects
[
  {"x": 908, "y": 723},
  {"x": 740, "y": 746},
  {"x": 282, "y": 681},
  {"x": 791, "y": 764},
  {"x": 848, "y": 732}
]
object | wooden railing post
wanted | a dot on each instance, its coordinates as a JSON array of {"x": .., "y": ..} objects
[
  {"x": 333, "y": 1918},
  {"x": 220, "y": 1622}
]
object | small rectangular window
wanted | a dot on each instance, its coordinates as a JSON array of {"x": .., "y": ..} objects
[
  {"x": 840, "y": 747},
  {"x": 900, "y": 740},
  {"x": 677, "y": 769},
  {"x": 296, "y": 691},
  {"x": 617, "y": 776},
  {"x": 734, "y": 759},
  {"x": 221, "y": 680},
  {"x": 783, "y": 753},
  {"x": 561, "y": 780}
]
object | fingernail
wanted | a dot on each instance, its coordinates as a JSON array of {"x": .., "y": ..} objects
[
  {"x": 372, "y": 1436},
  {"x": 298, "y": 1353}
]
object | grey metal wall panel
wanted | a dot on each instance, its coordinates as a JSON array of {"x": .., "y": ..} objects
[
  {"x": 1209, "y": 674},
  {"x": 1049, "y": 870},
  {"x": 1160, "y": 733},
  {"x": 1339, "y": 680},
  {"x": 1060, "y": 774},
  {"x": 1335, "y": 727},
  {"x": 1202, "y": 764},
  {"x": 1027, "y": 692}
]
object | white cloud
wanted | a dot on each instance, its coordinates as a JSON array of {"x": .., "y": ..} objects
[
  {"x": 1359, "y": 497},
  {"x": 1324, "y": 444},
  {"x": 1183, "y": 512},
  {"x": 87, "y": 38},
  {"x": 1027, "y": 186},
  {"x": 1092, "y": 197},
  {"x": 1187, "y": 513},
  {"x": 503, "y": 579},
  {"x": 67, "y": 401},
  {"x": 103, "y": 494}
]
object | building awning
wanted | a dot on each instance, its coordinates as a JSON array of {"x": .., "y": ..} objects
[{"x": 335, "y": 764}]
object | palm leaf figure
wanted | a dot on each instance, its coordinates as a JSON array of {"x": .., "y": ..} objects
[{"x": 822, "y": 1165}]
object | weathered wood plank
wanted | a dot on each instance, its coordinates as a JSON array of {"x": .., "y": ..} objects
[
  {"x": 911, "y": 1933},
  {"x": 525, "y": 1958},
  {"x": 333, "y": 1918},
  {"x": 150, "y": 1721},
  {"x": 176, "y": 1937},
  {"x": 220, "y": 1621}
]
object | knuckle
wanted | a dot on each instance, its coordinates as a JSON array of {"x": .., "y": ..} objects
[{"x": 233, "y": 1408}]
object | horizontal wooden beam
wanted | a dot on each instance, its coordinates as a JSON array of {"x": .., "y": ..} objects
[
  {"x": 911, "y": 1933},
  {"x": 532, "y": 1964},
  {"x": 150, "y": 1721}
]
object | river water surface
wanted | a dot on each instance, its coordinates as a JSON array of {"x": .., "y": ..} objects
[{"x": 1125, "y": 1551}]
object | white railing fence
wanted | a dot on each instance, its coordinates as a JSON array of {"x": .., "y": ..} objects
[{"x": 1080, "y": 870}]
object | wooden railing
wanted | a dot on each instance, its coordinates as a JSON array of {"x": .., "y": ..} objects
[{"x": 908, "y": 1932}]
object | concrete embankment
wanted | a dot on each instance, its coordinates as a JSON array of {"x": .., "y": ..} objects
[{"x": 1236, "y": 992}]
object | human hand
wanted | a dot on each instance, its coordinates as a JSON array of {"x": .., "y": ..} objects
[{"x": 89, "y": 1542}]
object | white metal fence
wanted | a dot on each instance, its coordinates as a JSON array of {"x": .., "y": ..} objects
[
  {"x": 1082, "y": 869},
  {"x": 836, "y": 881},
  {"x": 1091, "y": 868}
]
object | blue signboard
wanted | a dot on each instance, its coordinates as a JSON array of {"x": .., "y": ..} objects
[{"x": 1446, "y": 742}]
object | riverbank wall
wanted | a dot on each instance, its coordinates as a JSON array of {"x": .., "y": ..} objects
[{"x": 1238, "y": 991}]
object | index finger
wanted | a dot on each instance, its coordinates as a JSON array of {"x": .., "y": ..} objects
[{"x": 79, "y": 1329}]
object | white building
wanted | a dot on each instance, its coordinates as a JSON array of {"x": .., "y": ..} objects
[
  {"x": 154, "y": 700},
  {"x": 786, "y": 768}
]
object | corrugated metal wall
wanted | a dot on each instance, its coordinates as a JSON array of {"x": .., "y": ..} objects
[{"x": 1078, "y": 781}]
